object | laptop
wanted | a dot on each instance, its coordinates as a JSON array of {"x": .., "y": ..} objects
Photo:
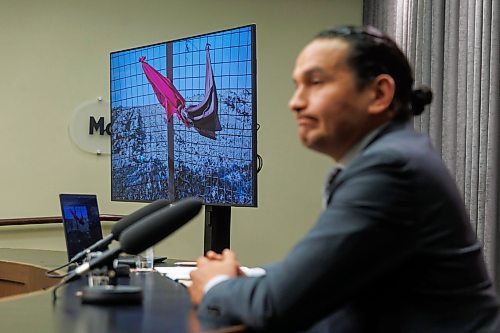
[{"x": 82, "y": 225}]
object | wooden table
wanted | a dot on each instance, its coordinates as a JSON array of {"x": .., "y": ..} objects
[{"x": 26, "y": 307}]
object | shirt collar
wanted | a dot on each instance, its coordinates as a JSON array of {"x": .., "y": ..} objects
[
  {"x": 359, "y": 146},
  {"x": 346, "y": 159}
]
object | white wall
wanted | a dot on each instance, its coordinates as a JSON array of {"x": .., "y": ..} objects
[{"x": 55, "y": 55}]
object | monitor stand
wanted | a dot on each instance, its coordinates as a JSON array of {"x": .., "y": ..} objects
[{"x": 217, "y": 228}]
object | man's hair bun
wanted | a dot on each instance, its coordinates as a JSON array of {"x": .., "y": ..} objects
[{"x": 420, "y": 97}]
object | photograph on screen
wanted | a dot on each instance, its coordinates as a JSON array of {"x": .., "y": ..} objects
[{"x": 183, "y": 120}]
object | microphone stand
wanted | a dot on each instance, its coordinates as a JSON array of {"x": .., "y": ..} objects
[
  {"x": 108, "y": 294},
  {"x": 112, "y": 293}
]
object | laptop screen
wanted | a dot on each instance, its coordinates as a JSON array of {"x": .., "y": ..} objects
[{"x": 82, "y": 224}]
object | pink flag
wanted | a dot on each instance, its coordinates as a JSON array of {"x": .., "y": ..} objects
[{"x": 165, "y": 91}]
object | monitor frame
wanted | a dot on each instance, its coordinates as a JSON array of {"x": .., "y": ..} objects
[{"x": 254, "y": 129}]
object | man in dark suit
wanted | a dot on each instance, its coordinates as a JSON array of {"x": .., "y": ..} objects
[{"x": 393, "y": 251}]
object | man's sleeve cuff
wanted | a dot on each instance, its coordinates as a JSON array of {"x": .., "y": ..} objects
[
  {"x": 253, "y": 272},
  {"x": 215, "y": 281},
  {"x": 250, "y": 272}
]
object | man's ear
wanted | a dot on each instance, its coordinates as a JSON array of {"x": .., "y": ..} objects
[{"x": 384, "y": 88}]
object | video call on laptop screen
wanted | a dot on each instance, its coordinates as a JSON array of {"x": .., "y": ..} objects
[{"x": 82, "y": 226}]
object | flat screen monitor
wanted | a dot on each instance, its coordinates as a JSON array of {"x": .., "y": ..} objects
[{"x": 183, "y": 120}]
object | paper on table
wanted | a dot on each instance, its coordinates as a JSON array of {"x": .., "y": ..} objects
[
  {"x": 176, "y": 273},
  {"x": 182, "y": 272}
]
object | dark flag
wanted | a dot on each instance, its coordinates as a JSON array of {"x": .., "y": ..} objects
[{"x": 204, "y": 116}]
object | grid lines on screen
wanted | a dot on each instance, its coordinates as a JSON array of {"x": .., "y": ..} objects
[
  {"x": 220, "y": 165},
  {"x": 139, "y": 159}
]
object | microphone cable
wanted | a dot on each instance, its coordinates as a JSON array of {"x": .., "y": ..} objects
[
  {"x": 50, "y": 274},
  {"x": 54, "y": 290}
]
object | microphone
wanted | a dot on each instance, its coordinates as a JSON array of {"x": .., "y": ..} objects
[
  {"x": 159, "y": 225},
  {"x": 119, "y": 226},
  {"x": 145, "y": 233}
]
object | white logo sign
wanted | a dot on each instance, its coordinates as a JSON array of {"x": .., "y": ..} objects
[{"x": 90, "y": 127}]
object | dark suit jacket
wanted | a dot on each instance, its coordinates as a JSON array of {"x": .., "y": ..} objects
[{"x": 392, "y": 252}]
